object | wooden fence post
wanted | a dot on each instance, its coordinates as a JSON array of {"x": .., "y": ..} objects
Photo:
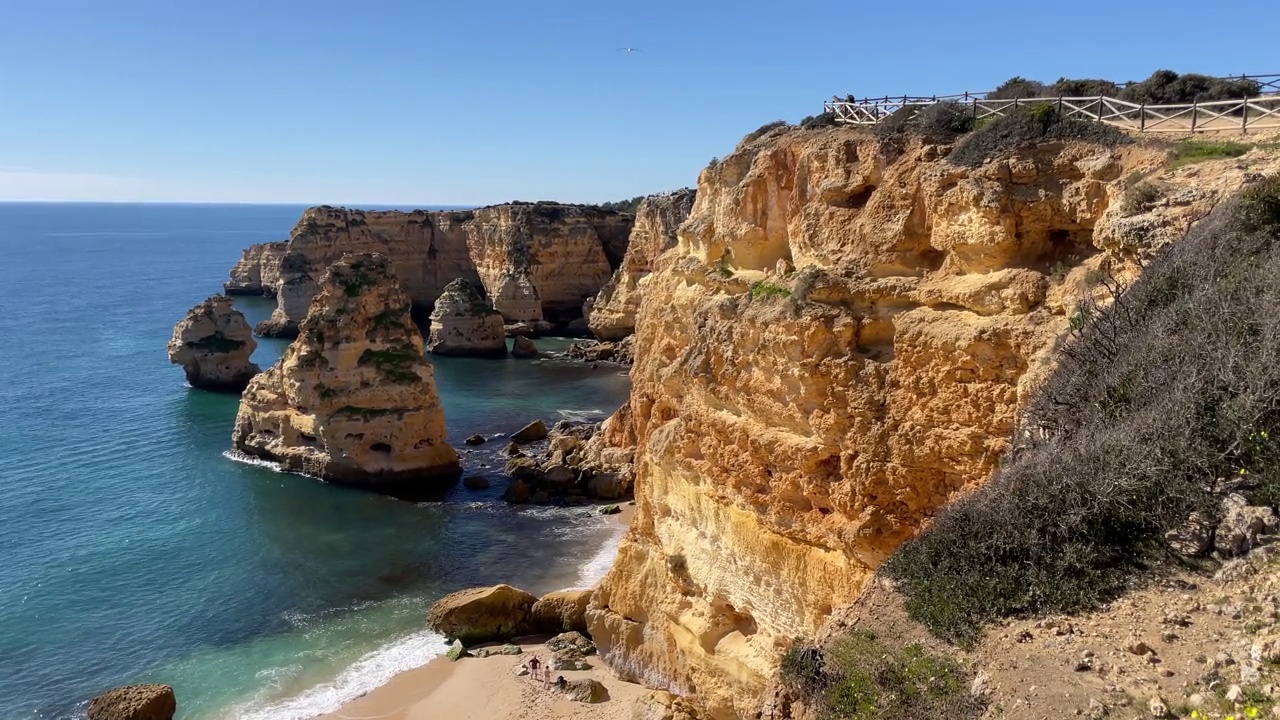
[
  {"x": 1244, "y": 116},
  {"x": 1100, "y": 107},
  {"x": 1142, "y": 116},
  {"x": 1195, "y": 105}
]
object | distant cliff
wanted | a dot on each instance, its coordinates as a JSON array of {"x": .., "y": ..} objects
[{"x": 536, "y": 261}]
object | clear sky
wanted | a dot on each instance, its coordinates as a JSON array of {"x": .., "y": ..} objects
[{"x": 479, "y": 101}]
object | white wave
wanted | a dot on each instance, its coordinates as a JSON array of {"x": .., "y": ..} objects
[
  {"x": 583, "y": 415},
  {"x": 370, "y": 671},
  {"x": 240, "y": 457},
  {"x": 594, "y": 569}
]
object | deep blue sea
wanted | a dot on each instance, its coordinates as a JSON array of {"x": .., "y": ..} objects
[{"x": 133, "y": 550}]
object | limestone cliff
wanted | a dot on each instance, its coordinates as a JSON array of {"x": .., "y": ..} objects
[
  {"x": 536, "y": 261},
  {"x": 258, "y": 272},
  {"x": 352, "y": 400},
  {"x": 611, "y": 314},
  {"x": 465, "y": 323},
  {"x": 213, "y": 344},
  {"x": 839, "y": 342}
]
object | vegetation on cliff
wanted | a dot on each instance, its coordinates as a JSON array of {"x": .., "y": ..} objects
[
  {"x": 1163, "y": 87},
  {"x": 1161, "y": 404}
]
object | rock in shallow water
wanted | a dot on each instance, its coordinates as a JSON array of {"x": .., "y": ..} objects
[
  {"x": 524, "y": 348},
  {"x": 134, "y": 702},
  {"x": 533, "y": 432},
  {"x": 475, "y": 482},
  {"x": 464, "y": 323},
  {"x": 476, "y": 440}
]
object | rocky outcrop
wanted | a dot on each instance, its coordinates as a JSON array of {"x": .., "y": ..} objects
[
  {"x": 213, "y": 344},
  {"x": 465, "y": 323},
  {"x": 523, "y": 348},
  {"x": 561, "y": 612},
  {"x": 134, "y": 702},
  {"x": 838, "y": 344},
  {"x": 482, "y": 614},
  {"x": 583, "y": 462},
  {"x": 258, "y": 272},
  {"x": 611, "y": 314},
  {"x": 621, "y": 352},
  {"x": 537, "y": 262},
  {"x": 352, "y": 400}
]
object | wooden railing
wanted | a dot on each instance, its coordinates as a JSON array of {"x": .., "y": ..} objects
[{"x": 1242, "y": 115}]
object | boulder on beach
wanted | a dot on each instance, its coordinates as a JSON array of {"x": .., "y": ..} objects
[
  {"x": 482, "y": 614},
  {"x": 457, "y": 651},
  {"x": 524, "y": 348},
  {"x": 585, "y": 690},
  {"x": 134, "y": 702},
  {"x": 562, "y": 612},
  {"x": 533, "y": 432},
  {"x": 572, "y": 640},
  {"x": 568, "y": 659}
]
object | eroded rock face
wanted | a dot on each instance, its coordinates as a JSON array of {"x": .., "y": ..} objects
[
  {"x": 482, "y": 614},
  {"x": 213, "y": 344},
  {"x": 561, "y": 612},
  {"x": 258, "y": 272},
  {"x": 134, "y": 702},
  {"x": 838, "y": 344},
  {"x": 352, "y": 400},
  {"x": 612, "y": 312},
  {"x": 536, "y": 261},
  {"x": 465, "y": 323}
]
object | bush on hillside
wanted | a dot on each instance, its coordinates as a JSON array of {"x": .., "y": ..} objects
[
  {"x": 1018, "y": 87},
  {"x": 1083, "y": 87},
  {"x": 762, "y": 131},
  {"x": 625, "y": 206},
  {"x": 1026, "y": 126},
  {"x": 1166, "y": 87},
  {"x": 861, "y": 677},
  {"x": 935, "y": 122},
  {"x": 1160, "y": 403},
  {"x": 826, "y": 119}
]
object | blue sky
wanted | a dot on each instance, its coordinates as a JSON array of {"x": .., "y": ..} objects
[{"x": 481, "y": 101}]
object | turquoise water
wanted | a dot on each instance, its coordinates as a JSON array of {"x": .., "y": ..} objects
[{"x": 132, "y": 549}]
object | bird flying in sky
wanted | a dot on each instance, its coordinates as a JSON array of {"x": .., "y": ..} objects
[{"x": 629, "y": 50}]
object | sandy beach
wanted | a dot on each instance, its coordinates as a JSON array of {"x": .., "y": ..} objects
[{"x": 489, "y": 689}]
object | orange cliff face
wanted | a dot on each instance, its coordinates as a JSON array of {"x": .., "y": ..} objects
[
  {"x": 535, "y": 261},
  {"x": 838, "y": 344}
]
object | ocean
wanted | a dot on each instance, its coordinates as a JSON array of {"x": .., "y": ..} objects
[{"x": 135, "y": 548}]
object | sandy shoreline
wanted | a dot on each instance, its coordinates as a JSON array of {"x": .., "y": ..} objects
[{"x": 488, "y": 688}]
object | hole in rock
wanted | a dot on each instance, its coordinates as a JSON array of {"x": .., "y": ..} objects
[
  {"x": 381, "y": 448},
  {"x": 855, "y": 200}
]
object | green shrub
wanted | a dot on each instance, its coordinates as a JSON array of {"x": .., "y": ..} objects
[
  {"x": 762, "y": 131},
  {"x": 826, "y": 119},
  {"x": 216, "y": 343},
  {"x": 765, "y": 290},
  {"x": 1018, "y": 87},
  {"x": 861, "y": 677},
  {"x": 1027, "y": 126},
  {"x": 1166, "y": 87},
  {"x": 1140, "y": 198},
  {"x": 1160, "y": 403},
  {"x": 1083, "y": 87},
  {"x": 935, "y": 122},
  {"x": 397, "y": 364},
  {"x": 1196, "y": 150}
]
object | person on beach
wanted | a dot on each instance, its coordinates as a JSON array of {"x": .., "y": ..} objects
[{"x": 533, "y": 665}]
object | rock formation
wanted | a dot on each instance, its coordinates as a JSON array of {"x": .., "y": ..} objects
[
  {"x": 561, "y": 612},
  {"x": 611, "y": 314},
  {"x": 213, "y": 344},
  {"x": 524, "y": 348},
  {"x": 537, "y": 262},
  {"x": 465, "y": 323},
  {"x": 258, "y": 272},
  {"x": 134, "y": 702},
  {"x": 352, "y": 400},
  {"x": 838, "y": 344},
  {"x": 482, "y": 614}
]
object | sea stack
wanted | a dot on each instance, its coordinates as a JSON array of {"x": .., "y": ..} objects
[
  {"x": 465, "y": 323},
  {"x": 213, "y": 344},
  {"x": 353, "y": 401}
]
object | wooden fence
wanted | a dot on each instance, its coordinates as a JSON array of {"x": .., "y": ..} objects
[{"x": 1242, "y": 115}]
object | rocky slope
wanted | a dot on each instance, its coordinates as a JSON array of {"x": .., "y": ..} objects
[
  {"x": 839, "y": 343},
  {"x": 352, "y": 400},
  {"x": 611, "y": 314},
  {"x": 465, "y": 323},
  {"x": 536, "y": 261},
  {"x": 213, "y": 344}
]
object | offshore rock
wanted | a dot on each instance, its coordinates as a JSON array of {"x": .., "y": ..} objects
[
  {"x": 538, "y": 262},
  {"x": 523, "y": 348},
  {"x": 213, "y": 344},
  {"x": 134, "y": 702},
  {"x": 611, "y": 314},
  {"x": 258, "y": 272},
  {"x": 621, "y": 352},
  {"x": 353, "y": 400},
  {"x": 464, "y": 323}
]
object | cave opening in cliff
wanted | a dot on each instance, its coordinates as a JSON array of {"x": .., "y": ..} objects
[{"x": 854, "y": 200}]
